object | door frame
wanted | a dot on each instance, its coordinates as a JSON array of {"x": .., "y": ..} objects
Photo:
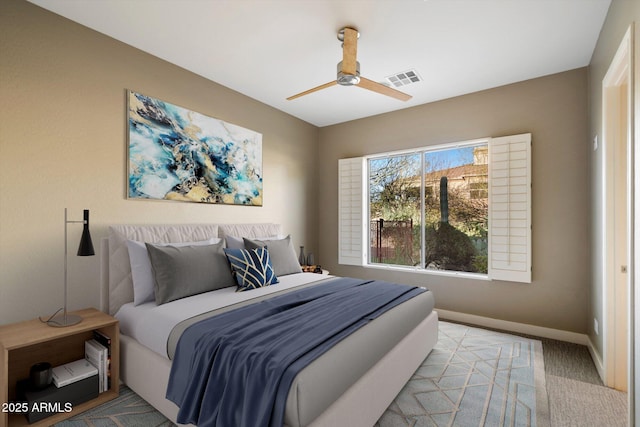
[{"x": 618, "y": 78}]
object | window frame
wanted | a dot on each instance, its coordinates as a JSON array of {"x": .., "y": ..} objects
[
  {"x": 421, "y": 151},
  {"x": 357, "y": 232}
]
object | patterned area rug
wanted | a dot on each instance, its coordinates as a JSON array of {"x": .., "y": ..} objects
[
  {"x": 127, "y": 410},
  {"x": 473, "y": 377}
]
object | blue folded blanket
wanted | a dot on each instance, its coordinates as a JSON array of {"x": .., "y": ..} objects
[{"x": 235, "y": 369}]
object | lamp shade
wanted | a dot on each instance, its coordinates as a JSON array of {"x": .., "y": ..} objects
[{"x": 86, "y": 245}]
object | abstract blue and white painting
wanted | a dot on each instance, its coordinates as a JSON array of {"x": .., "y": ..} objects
[{"x": 178, "y": 154}]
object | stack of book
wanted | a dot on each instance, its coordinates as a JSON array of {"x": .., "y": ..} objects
[
  {"x": 97, "y": 361},
  {"x": 98, "y": 352}
]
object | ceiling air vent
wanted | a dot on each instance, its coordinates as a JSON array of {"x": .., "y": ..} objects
[{"x": 404, "y": 78}]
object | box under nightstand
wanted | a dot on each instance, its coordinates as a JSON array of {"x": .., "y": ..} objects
[{"x": 27, "y": 343}]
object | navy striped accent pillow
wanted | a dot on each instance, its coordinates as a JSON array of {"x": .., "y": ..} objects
[{"x": 251, "y": 268}]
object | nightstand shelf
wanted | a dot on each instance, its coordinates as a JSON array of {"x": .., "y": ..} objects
[{"x": 27, "y": 343}]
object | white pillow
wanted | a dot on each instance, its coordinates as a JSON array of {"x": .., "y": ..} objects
[{"x": 141, "y": 272}]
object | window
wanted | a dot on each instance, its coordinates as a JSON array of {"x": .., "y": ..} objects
[
  {"x": 395, "y": 209},
  {"x": 438, "y": 191},
  {"x": 455, "y": 208}
]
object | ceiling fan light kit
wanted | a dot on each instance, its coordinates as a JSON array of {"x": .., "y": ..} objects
[
  {"x": 348, "y": 73},
  {"x": 348, "y": 79}
]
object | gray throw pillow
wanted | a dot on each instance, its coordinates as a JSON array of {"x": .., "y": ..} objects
[
  {"x": 180, "y": 272},
  {"x": 282, "y": 254}
]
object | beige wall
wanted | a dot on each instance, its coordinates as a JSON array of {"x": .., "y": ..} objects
[
  {"x": 63, "y": 144},
  {"x": 554, "y": 110}
]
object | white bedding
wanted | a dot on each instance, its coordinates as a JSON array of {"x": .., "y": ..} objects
[{"x": 151, "y": 324}]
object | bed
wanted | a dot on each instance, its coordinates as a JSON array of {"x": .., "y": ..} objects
[{"x": 351, "y": 384}]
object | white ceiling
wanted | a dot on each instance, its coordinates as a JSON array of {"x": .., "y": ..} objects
[{"x": 272, "y": 49}]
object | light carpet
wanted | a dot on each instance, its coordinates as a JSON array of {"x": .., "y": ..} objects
[
  {"x": 585, "y": 405},
  {"x": 473, "y": 377}
]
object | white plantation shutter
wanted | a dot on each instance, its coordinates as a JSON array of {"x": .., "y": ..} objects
[
  {"x": 510, "y": 208},
  {"x": 351, "y": 209}
]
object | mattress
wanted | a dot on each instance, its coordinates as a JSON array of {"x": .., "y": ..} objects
[
  {"x": 152, "y": 324},
  {"x": 314, "y": 388}
]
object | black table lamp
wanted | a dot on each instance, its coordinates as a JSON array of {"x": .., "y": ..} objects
[{"x": 85, "y": 249}]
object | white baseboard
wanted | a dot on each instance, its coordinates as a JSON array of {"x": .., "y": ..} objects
[
  {"x": 522, "y": 328},
  {"x": 597, "y": 360}
]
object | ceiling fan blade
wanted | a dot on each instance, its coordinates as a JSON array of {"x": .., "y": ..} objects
[
  {"x": 349, "y": 51},
  {"x": 382, "y": 89},
  {"x": 315, "y": 89}
]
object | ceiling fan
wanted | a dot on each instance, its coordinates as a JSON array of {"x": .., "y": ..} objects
[{"x": 349, "y": 70}]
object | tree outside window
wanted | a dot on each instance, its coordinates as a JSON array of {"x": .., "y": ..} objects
[{"x": 443, "y": 193}]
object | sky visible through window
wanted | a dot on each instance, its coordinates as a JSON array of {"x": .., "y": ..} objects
[
  {"x": 409, "y": 165},
  {"x": 449, "y": 158}
]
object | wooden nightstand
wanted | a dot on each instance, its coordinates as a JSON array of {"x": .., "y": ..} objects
[{"x": 26, "y": 343}]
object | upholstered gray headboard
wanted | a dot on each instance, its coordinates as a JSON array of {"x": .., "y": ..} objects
[{"x": 115, "y": 281}]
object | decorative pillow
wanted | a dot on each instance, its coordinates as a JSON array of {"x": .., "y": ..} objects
[
  {"x": 251, "y": 267},
  {"x": 234, "y": 242},
  {"x": 141, "y": 272},
  {"x": 281, "y": 252},
  {"x": 180, "y": 272}
]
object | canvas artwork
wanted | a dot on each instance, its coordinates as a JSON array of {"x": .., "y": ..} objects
[{"x": 178, "y": 154}]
